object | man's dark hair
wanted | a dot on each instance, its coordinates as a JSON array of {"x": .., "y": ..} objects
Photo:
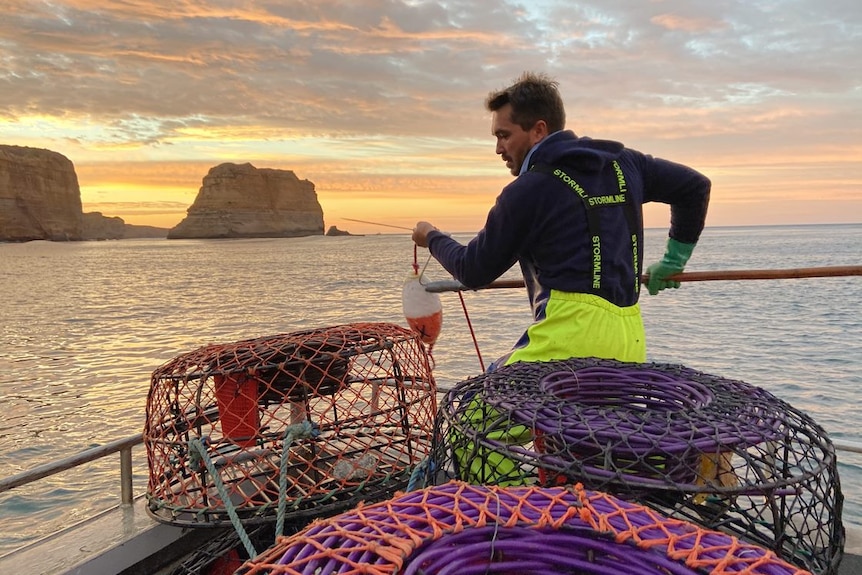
[{"x": 533, "y": 97}]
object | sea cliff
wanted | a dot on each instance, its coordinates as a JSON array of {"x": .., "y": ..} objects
[
  {"x": 242, "y": 201},
  {"x": 40, "y": 200},
  {"x": 39, "y": 196}
]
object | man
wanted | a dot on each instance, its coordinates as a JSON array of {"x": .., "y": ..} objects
[{"x": 573, "y": 220}]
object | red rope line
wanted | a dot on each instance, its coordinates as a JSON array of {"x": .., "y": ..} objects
[{"x": 472, "y": 333}]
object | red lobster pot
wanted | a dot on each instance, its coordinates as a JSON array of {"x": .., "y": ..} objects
[{"x": 299, "y": 424}]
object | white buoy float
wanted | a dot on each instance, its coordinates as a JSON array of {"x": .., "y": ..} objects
[{"x": 422, "y": 309}]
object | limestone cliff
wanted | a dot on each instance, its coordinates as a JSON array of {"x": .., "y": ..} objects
[
  {"x": 39, "y": 196},
  {"x": 241, "y": 201}
]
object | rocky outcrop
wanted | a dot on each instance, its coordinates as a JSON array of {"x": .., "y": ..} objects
[
  {"x": 138, "y": 231},
  {"x": 39, "y": 196},
  {"x": 334, "y": 231},
  {"x": 101, "y": 227},
  {"x": 241, "y": 201}
]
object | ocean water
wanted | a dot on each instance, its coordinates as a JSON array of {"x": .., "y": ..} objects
[{"x": 83, "y": 325}]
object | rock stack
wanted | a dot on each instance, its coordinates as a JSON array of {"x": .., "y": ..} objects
[{"x": 242, "y": 201}]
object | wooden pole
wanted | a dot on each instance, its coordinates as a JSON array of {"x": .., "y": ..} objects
[
  {"x": 723, "y": 275},
  {"x": 776, "y": 274}
]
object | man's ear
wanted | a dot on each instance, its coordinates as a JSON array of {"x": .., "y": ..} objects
[{"x": 538, "y": 132}]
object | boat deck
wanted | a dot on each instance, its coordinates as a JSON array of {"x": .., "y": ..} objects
[
  {"x": 120, "y": 540},
  {"x": 851, "y": 564}
]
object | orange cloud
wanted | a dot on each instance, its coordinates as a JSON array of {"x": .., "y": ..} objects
[{"x": 686, "y": 24}]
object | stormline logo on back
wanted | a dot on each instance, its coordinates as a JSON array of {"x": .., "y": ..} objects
[
  {"x": 606, "y": 200},
  {"x": 597, "y": 263},
  {"x": 597, "y": 246},
  {"x": 609, "y": 200}
]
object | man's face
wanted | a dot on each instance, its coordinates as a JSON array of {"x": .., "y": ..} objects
[{"x": 513, "y": 142}]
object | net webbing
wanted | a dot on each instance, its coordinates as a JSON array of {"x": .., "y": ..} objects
[
  {"x": 698, "y": 447},
  {"x": 465, "y": 529},
  {"x": 291, "y": 425}
]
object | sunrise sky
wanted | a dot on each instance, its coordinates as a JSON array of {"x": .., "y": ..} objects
[{"x": 380, "y": 103}]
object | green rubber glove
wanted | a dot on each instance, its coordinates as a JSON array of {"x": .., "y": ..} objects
[{"x": 675, "y": 257}]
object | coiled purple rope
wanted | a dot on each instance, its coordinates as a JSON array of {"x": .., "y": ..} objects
[
  {"x": 475, "y": 536},
  {"x": 651, "y": 413}
]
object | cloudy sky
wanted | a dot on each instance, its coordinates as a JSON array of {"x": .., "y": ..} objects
[{"x": 380, "y": 102}]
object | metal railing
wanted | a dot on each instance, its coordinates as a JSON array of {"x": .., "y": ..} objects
[
  {"x": 123, "y": 446},
  {"x": 849, "y": 446}
]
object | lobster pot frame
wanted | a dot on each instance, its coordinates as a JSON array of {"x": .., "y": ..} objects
[
  {"x": 293, "y": 425},
  {"x": 476, "y": 530},
  {"x": 717, "y": 452}
]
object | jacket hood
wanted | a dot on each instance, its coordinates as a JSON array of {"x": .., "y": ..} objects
[{"x": 584, "y": 154}]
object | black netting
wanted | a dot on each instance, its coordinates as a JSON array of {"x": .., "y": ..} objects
[{"x": 719, "y": 452}]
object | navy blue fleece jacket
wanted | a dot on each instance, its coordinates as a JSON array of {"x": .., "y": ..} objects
[{"x": 540, "y": 221}]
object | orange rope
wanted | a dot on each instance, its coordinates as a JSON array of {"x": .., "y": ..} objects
[
  {"x": 677, "y": 539},
  {"x": 394, "y": 530}
]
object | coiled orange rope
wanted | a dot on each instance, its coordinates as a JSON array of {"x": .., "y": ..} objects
[{"x": 422, "y": 531}]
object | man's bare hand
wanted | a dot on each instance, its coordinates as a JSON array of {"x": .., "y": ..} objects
[{"x": 420, "y": 233}]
